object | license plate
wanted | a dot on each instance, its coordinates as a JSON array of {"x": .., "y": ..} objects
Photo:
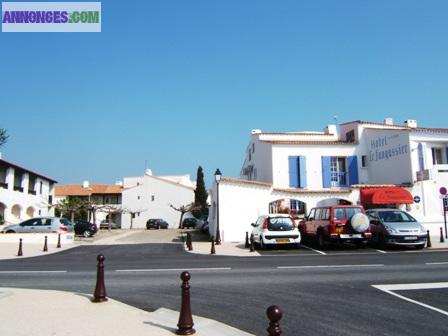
[
  {"x": 410, "y": 238},
  {"x": 282, "y": 241}
]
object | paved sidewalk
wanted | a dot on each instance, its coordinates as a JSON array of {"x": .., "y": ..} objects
[
  {"x": 224, "y": 249},
  {"x": 9, "y": 250},
  {"x": 46, "y": 312}
]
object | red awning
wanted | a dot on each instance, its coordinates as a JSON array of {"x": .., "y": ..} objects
[{"x": 386, "y": 195}]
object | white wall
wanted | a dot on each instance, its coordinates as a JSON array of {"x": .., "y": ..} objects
[
  {"x": 313, "y": 154},
  {"x": 139, "y": 198},
  {"x": 39, "y": 202},
  {"x": 389, "y": 156},
  {"x": 240, "y": 204}
]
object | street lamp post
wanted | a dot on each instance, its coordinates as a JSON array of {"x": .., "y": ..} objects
[{"x": 218, "y": 233}]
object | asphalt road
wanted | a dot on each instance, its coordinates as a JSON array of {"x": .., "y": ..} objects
[{"x": 330, "y": 294}]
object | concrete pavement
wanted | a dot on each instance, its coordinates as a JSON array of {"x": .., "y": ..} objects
[{"x": 46, "y": 312}]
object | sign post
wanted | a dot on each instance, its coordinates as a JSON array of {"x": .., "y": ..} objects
[
  {"x": 445, "y": 209},
  {"x": 443, "y": 191}
]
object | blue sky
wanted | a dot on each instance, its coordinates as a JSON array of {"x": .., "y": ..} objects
[{"x": 181, "y": 83}]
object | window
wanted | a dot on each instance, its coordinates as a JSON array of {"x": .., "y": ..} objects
[
  {"x": 350, "y": 136},
  {"x": 318, "y": 214},
  {"x": 253, "y": 148},
  {"x": 138, "y": 197},
  {"x": 40, "y": 187},
  {"x": 311, "y": 215},
  {"x": 338, "y": 213},
  {"x": 339, "y": 171},
  {"x": 437, "y": 156},
  {"x": 364, "y": 161},
  {"x": 250, "y": 156},
  {"x": 153, "y": 198},
  {"x": 325, "y": 214}
]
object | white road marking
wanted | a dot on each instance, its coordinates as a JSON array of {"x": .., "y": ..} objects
[
  {"x": 434, "y": 285},
  {"x": 176, "y": 269},
  {"x": 437, "y": 263},
  {"x": 330, "y": 266},
  {"x": 14, "y": 272},
  {"x": 309, "y": 248},
  {"x": 381, "y": 251}
]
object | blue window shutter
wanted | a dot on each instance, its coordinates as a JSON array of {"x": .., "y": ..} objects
[
  {"x": 326, "y": 173},
  {"x": 293, "y": 171},
  {"x": 302, "y": 172},
  {"x": 433, "y": 156},
  {"x": 353, "y": 170}
]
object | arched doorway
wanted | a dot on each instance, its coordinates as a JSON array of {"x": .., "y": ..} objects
[
  {"x": 294, "y": 207},
  {"x": 333, "y": 201},
  {"x": 16, "y": 211},
  {"x": 30, "y": 212}
]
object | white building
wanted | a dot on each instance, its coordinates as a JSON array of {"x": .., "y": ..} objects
[
  {"x": 23, "y": 193},
  {"x": 374, "y": 164},
  {"x": 149, "y": 196},
  {"x": 106, "y": 197}
]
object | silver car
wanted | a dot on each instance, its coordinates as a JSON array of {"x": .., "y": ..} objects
[
  {"x": 40, "y": 225},
  {"x": 396, "y": 227}
]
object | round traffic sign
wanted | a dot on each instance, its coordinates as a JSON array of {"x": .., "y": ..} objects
[
  {"x": 417, "y": 199},
  {"x": 442, "y": 191}
]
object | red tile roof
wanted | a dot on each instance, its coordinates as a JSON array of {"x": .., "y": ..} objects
[
  {"x": 236, "y": 180},
  {"x": 79, "y": 190}
]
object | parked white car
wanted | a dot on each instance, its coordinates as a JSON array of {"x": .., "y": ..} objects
[{"x": 275, "y": 229}]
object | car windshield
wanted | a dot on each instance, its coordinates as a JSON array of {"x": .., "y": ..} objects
[
  {"x": 280, "y": 224},
  {"x": 395, "y": 217}
]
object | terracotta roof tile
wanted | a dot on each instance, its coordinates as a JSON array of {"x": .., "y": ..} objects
[
  {"x": 79, "y": 190},
  {"x": 310, "y": 191},
  {"x": 237, "y": 180},
  {"x": 308, "y": 142}
]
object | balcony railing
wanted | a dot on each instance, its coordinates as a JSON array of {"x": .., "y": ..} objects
[
  {"x": 339, "y": 179},
  {"x": 4, "y": 185},
  {"x": 17, "y": 188}
]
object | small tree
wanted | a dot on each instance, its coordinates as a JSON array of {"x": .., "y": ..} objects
[
  {"x": 200, "y": 195},
  {"x": 70, "y": 205},
  {"x": 3, "y": 136},
  {"x": 183, "y": 209}
]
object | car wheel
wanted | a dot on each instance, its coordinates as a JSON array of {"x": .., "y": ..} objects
[
  {"x": 262, "y": 245},
  {"x": 382, "y": 242},
  {"x": 321, "y": 240},
  {"x": 10, "y": 231},
  {"x": 87, "y": 234}
]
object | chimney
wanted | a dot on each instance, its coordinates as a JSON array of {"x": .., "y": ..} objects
[
  {"x": 411, "y": 123},
  {"x": 148, "y": 172},
  {"x": 389, "y": 121},
  {"x": 85, "y": 184},
  {"x": 331, "y": 129},
  {"x": 119, "y": 183},
  {"x": 255, "y": 131}
]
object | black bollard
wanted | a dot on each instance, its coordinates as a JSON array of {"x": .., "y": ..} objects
[
  {"x": 189, "y": 242},
  {"x": 428, "y": 239},
  {"x": 212, "y": 251},
  {"x": 252, "y": 249},
  {"x": 274, "y": 315},
  {"x": 246, "y": 244},
  {"x": 441, "y": 236},
  {"x": 185, "y": 324},
  {"x": 45, "y": 245},
  {"x": 100, "y": 294},
  {"x": 20, "y": 252},
  {"x": 59, "y": 241}
]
